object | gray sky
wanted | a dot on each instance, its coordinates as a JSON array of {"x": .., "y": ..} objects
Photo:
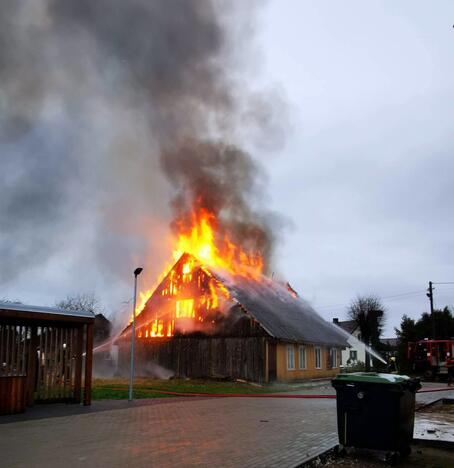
[{"x": 365, "y": 176}]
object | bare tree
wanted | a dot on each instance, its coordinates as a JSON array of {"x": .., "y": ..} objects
[
  {"x": 369, "y": 313},
  {"x": 88, "y": 302},
  {"x": 5, "y": 300}
]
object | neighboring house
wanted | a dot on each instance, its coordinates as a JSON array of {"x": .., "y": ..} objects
[
  {"x": 357, "y": 352},
  {"x": 102, "y": 329},
  {"x": 204, "y": 323},
  {"x": 393, "y": 343}
]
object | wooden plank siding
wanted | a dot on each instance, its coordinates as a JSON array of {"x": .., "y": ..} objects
[
  {"x": 286, "y": 375},
  {"x": 12, "y": 394},
  {"x": 200, "y": 357},
  {"x": 88, "y": 365}
]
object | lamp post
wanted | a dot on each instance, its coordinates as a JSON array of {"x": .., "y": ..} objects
[{"x": 137, "y": 272}]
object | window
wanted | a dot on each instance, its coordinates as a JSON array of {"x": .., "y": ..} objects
[
  {"x": 318, "y": 357},
  {"x": 302, "y": 357},
  {"x": 333, "y": 357},
  {"x": 184, "y": 308},
  {"x": 290, "y": 357},
  {"x": 353, "y": 355}
]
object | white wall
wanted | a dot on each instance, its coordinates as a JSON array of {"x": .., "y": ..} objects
[{"x": 356, "y": 345}]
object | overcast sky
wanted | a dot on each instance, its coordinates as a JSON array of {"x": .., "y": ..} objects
[
  {"x": 366, "y": 172},
  {"x": 367, "y": 175}
]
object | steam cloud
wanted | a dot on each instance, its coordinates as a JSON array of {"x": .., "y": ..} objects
[{"x": 108, "y": 110}]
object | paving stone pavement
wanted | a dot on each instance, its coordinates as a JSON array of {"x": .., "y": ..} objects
[{"x": 220, "y": 432}]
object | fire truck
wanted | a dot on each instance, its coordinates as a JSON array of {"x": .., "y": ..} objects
[{"x": 431, "y": 358}]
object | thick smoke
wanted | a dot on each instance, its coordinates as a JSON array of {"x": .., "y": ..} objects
[
  {"x": 225, "y": 181},
  {"x": 107, "y": 109}
]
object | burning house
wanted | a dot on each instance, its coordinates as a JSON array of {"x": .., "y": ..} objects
[{"x": 214, "y": 314}]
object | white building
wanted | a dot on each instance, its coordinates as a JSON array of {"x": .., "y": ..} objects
[{"x": 356, "y": 354}]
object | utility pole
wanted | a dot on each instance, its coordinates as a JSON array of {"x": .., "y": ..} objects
[{"x": 430, "y": 295}]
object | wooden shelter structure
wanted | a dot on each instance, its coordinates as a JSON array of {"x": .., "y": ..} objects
[{"x": 45, "y": 355}]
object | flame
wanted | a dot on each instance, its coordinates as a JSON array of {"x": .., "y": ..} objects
[
  {"x": 192, "y": 291},
  {"x": 145, "y": 295},
  {"x": 200, "y": 241}
]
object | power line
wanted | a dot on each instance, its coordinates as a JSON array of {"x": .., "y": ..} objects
[
  {"x": 403, "y": 294},
  {"x": 403, "y": 297},
  {"x": 392, "y": 297}
]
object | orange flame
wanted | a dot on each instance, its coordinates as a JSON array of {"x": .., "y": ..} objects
[
  {"x": 203, "y": 242},
  {"x": 200, "y": 241}
]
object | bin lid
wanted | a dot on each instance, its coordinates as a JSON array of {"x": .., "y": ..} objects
[{"x": 372, "y": 377}]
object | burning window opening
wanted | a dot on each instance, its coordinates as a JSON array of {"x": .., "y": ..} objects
[{"x": 185, "y": 308}]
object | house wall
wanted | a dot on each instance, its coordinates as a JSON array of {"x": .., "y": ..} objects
[
  {"x": 222, "y": 357},
  {"x": 284, "y": 374},
  {"x": 355, "y": 346}
]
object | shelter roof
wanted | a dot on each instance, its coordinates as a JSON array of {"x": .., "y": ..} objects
[{"x": 22, "y": 311}]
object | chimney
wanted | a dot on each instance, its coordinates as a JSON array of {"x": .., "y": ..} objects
[{"x": 336, "y": 321}]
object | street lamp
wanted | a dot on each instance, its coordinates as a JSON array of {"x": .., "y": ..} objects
[{"x": 137, "y": 272}]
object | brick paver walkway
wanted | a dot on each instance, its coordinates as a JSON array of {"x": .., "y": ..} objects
[
  {"x": 217, "y": 432},
  {"x": 220, "y": 432}
]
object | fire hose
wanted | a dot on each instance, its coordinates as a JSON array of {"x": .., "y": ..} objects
[{"x": 270, "y": 395}]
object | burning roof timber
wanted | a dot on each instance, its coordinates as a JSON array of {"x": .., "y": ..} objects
[{"x": 195, "y": 298}]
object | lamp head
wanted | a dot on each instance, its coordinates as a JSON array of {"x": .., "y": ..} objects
[{"x": 137, "y": 271}]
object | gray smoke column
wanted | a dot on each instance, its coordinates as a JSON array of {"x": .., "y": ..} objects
[
  {"x": 110, "y": 109},
  {"x": 224, "y": 181}
]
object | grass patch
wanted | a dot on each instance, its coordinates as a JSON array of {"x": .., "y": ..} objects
[{"x": 117, "y": 389}]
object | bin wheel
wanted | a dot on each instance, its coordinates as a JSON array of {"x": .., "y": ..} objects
[{"x": 340, "y": 451}]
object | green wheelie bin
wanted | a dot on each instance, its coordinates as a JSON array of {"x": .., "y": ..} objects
[{"x": 376, "y": 411}]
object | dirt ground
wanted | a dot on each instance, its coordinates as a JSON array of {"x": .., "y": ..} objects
[
  {"x": 445, "y": 406},
  {"x": 421, "y": 457}
]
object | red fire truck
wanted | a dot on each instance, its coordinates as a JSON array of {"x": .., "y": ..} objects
[{"x": 431, "y": 357}]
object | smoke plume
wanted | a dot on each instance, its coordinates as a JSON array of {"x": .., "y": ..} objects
[
  {"x": 109, "y": 110},
  {"x": 225, "y": 181}
]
